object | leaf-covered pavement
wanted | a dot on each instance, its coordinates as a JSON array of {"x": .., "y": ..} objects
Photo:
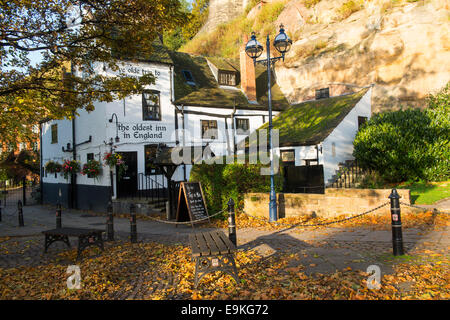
[{"x": 150, "y": 270}]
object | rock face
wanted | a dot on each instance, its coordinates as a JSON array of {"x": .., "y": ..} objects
[
  {"x": 401, "y": 47},
  {"x": 402, "y": 50},
  {"x": 222, "y": 11}
]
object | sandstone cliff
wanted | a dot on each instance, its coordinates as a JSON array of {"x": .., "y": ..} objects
[{"x": 402, "y": 47}]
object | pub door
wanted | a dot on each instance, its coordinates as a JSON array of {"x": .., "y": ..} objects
[{"x": 127, "y": 185}]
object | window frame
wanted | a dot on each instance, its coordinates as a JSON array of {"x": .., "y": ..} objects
[
  {"x": 54, "y": 133},
  {"x": 322, "y": 93},
  {"x": 146, "y": 107},
  {"x": 90, "y": 156},
  {"x": 228, "y": 75},
  {"x": 282, "y": 152},
  {"x": 361, "y": 121},
  {"x": 150, "y": 171},
  {"x": 188, "y": 77},
  {"x": 202, "y": 127},
  {"x": 248, "y": 125}
]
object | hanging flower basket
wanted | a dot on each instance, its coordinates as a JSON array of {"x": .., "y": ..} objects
[
  {"x": 115, "y": 160},
  {"x": 92, "y": 169},
  {"x": 70, "y": 167},
  {"x": 53, "y": 167}
]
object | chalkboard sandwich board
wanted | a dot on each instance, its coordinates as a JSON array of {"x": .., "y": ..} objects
[{"x": 191, "y": 203}]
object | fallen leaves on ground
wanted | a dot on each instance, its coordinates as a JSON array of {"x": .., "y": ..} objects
[
  {"x": 421, "y": 220},
  {"x": 156, "y": 271}
]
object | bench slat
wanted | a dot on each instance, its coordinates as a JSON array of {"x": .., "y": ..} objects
[
  {"x": 196, "y": 251},
  {"x": 204, "y": 248},
  {"x": 227, "y": 242},
  {"x": 211, "y": 243},
  {"x": 219, "y": 242}
]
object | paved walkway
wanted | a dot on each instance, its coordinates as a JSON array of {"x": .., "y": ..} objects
[
  {"x": 441, "y": 205},
  {"x": 324, "y": 250}
]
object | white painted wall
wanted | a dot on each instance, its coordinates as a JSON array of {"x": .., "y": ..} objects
[
  {"x": 343, "y": 135},
  {"x": 129, "y": 116}
]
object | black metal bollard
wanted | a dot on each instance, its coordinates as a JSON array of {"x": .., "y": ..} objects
[
  {"x": 133, "y": 230},
  {"x": 58, "y": 216},
  {"x": 110, "y": 222},
  {"x": 24, "y": 191},
  {"x": 396, "y": 222},
  {"x": 20, "y": 213},
  {"x": 232, "y": 222}
]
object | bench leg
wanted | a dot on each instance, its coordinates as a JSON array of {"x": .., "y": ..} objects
[
  {"x": 91, "y": 240},
  {"x": 208, "y": 264},
  {"x": 49, "y": 239}
]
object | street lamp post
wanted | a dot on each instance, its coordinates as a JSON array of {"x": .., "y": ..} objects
[
  {"x": 254, "y": 49},
  {"x": 111, "y": 144}
]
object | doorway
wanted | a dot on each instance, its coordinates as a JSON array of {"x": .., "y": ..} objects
[{"x": 127, "y": 185}]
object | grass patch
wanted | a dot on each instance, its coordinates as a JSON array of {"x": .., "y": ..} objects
[
  {"x": 427, "y": 192},
  {"x": 311, "y": 3},
  {"x": 350, "y": 7}
]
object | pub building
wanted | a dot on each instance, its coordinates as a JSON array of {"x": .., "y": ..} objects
[{"x": 216, "y": 102}]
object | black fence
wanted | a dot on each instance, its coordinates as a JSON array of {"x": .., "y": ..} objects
[
  {"x": 303, "y": 179},
  {"x": 152, "y": 187},
  {"x": 27, "y": 191},
  {"x": 349, "y": 175}
]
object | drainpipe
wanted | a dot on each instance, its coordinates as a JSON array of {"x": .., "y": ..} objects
[
  {"x": 74, "y": 176},
  {"x": 184, "y": 141},
  {"x": 41, "y": 165}
]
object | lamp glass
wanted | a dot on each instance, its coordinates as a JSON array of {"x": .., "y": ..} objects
[
  {"x": 253, "y": 48},
  {"x": 282, "y": 42}
]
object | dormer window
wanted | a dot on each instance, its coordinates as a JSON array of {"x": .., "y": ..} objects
[
  {"x": 322, "y": 93},
  {"x": 188, "y": 77},
  {"x": 227, "y": 78}
]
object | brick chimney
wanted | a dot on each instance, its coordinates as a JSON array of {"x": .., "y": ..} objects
[{"x": 248, "y": 81}]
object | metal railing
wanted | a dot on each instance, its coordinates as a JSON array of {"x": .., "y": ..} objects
[
  {"x": 152, "y": 187},
  {"x": 348, "y": 175}
]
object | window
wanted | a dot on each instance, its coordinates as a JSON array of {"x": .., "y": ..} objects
[
  {"x": 322, "y": 93},
  {"x": 188, "y": 77},
  {"x": 151, "y": 109},
  {"x": 209, "y": 129},
  {"x": 361, "y": 121},
  {"x": 150, "y": 154},
  {"x": 287, "y": 155},
  {"x": 243, "y": 125},
  {"x": 227, "y": 78},
  {"x": 90, "y": 156},
  {"x": 54, "y": 129}
]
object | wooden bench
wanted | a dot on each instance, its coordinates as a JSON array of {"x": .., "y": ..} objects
[
  {"x": 213, "y": 251},
  {"x": 86, "y": 237}
]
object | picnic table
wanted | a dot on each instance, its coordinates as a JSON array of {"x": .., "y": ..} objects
[
  {"x": 86, "y": 237},
  {"x": 213, "y": 251}
]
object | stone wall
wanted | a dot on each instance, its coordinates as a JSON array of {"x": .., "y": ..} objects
[{"x": 333, "y": 203}]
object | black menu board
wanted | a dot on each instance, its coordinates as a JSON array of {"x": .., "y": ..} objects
[{"x": 191, "y": 203}]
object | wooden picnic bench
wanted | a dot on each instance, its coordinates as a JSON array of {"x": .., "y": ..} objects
[
  {"x": 86, "y": 237},
  {"x": 213, "y": 251}
]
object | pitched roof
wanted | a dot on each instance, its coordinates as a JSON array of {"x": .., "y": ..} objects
[
  {"x": 310, "y": 122},
  {"x": 208, "y": 93}
]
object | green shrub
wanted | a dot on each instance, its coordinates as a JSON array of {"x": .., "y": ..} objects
[
  {"x": 220, "y": 182},
  {"x": 408, "y": 144}
]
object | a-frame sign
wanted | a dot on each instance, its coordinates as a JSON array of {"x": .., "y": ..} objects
[{"x": 191, "y": 203}]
